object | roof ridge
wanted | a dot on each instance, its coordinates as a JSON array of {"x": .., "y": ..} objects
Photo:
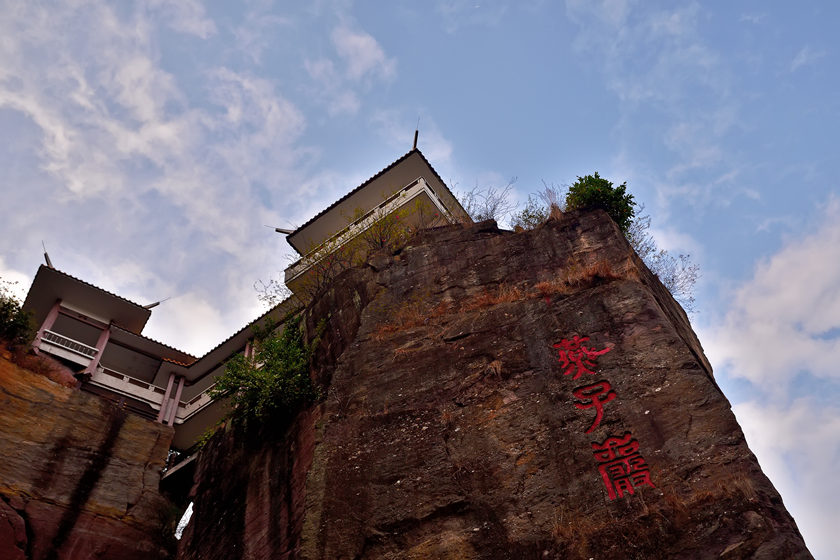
[
  {"x": 68, "y": 275},
  {"x": 195, "y": 358},
  {"x": 371, "y": 178}
]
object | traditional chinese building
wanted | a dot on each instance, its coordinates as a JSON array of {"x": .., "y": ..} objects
[
  {"x": 99, "y": 334},
  {"x": 409, "y": 190}
]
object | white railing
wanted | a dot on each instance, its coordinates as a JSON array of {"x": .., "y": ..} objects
[
  {"x": 148, "y": 392},
  {"x": 128, "y": 386},
  {"x": 396, "y": 200},
  {"x": 69, "y": 344},
  {"x": 121, "y": 383},
  {"x": 198, "y": 403}
]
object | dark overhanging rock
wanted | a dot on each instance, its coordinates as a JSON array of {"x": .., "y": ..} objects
[{"x": 499, "y": 395}]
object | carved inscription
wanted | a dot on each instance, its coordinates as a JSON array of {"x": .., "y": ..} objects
[
  {"x": 622, "y": 467},
  {"x": 576, "y": 357},
  {"x": 594, "y": 396}
]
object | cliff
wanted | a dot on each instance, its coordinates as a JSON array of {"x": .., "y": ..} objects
[
  {"x": 79, "y": 476},
  {"x": 492, "y": 394}
]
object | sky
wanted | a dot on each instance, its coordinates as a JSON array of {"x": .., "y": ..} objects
[{"x": 148, "y": 145}]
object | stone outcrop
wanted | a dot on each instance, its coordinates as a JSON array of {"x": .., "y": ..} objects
[
  {"x": 492, "y": 394},
  {"x": 79, "y": 476}
]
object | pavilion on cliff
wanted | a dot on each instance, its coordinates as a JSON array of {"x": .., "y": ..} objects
[{"x": 98, "y": 334}]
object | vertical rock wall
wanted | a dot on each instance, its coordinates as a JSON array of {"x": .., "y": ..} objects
[
  {"x": 249, "y": 495},
  {"x": 500, "y": 395},
  {"x": 79, "y": 476}
]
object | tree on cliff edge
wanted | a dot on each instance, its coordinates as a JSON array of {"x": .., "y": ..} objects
[
  {"x": 678, "y": 274},
  {"x": 593, "y": 191}
]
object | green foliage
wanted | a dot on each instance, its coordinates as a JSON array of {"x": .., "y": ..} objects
[
  {"x": 677, "y": 273},
  {"x": 275, "y": 383},
  {"x": 593, "y": 191},
  {"x": 15, "y": 324}
]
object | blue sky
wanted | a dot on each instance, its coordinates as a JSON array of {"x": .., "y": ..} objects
[{"x": 149, "y": 143}]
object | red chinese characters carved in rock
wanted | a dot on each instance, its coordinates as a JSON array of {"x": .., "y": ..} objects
[
  {"x": 622, "y": 467},
  {"x": 576, "y": 357},
  {"x": 594, "y": 396}
]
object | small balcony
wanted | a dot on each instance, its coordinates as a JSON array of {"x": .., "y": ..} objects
[
  {"x": 67, "y": 348},
  {"x": 128, "y": 386},
  {"x": 419, "y": 204}
]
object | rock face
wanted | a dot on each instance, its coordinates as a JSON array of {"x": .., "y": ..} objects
[
  {"x": 79, "y": 476},
  {"x": 499, "y": 395}
]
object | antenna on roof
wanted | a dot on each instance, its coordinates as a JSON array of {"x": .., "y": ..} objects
[
  {"x": 155, "y": 304},
  {"x": 416, "y": 134},
  {"x": 47, "y": 256}
]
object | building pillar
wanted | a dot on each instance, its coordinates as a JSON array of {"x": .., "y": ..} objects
[
  {"x": 164, "y": 404},
  {"x": 49, "y": 321},
  {"x": 100, "y": 347},
  {"x": 174, "y": 410}
]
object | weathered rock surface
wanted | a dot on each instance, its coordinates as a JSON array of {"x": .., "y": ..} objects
[
  {"x": 79, "y": 476},
  {"x": 450, "y": 429}
]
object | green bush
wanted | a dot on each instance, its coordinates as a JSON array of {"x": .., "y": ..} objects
[
  {"x": 275, "y": 383},
  {"x": 593, "y": 191},
  {"x": 15, "y": 324}
]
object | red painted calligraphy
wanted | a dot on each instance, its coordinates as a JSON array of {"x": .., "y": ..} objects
[
  {"x": 621, "y": 465},
  {"x": 576, "y": 357},
  {"x": 594, "y": 396}
]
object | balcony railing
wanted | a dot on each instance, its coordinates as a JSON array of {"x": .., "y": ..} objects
[
  {"x": 198, "y": 403},
  {"x": 148, "y": 392},
  {"x": 69, "y": 344},
  {"x": 395, "y": 201},
  {"x": 121, "y": 383},
  {"x": 128, "y": 386}
]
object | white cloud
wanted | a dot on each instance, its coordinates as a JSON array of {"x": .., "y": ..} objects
[
  {"x": 460, "y": 13},
  {"x": 755, "y": 19},
  {"x": 258, "y": 29},
  {"x": 659, "y": 63},
  {"x": 15, "y": 281},
  {"x": 676, "y": 242},
  {"x": 613, "y": 13},
  {"x": 150, "y": 187},
  {"x": 785, "y": 319},
  {"x": 805, "y": 57},
  {"x": 194, "y": 321},
  {"x": 397, "y": 127},
  {"x": 362, "y": 54},
  {"x": 332, "y": 89},
  {"x": 798, "y": 446},
  {"x": 184, "y": 16},
  {"x": 362, "y": 62}
]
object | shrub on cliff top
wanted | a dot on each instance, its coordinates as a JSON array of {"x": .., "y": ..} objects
[
  {"x": 677, "y": 273},
  {"x": 274, "y": 383},
  {"x": 593, "y": 191}
]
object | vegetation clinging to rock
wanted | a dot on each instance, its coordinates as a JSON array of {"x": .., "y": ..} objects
[
  {"x": 274, "y": 383},
  {"x": 593, "y": 191}
]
